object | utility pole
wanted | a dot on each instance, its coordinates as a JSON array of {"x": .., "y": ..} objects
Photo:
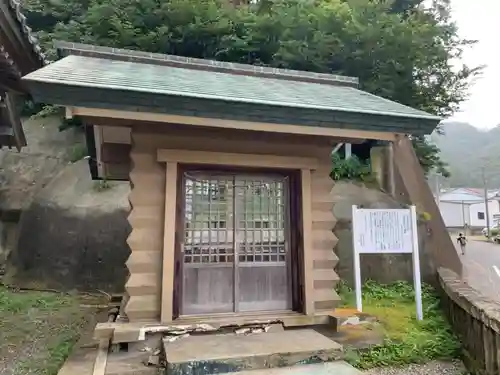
[
  {"x": 486, "y": 208},
  {"x": 348, "y": 150}
]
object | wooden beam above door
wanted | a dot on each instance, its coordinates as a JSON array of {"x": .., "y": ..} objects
[{"x": 236, "y": 160}]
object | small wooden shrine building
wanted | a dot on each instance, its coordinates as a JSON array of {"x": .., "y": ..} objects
[{"x": 231, "y": 214}]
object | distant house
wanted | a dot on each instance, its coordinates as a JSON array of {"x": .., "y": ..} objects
[{"x": 466, "y": 206}]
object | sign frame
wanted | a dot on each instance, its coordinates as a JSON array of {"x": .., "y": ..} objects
[{"x": 358, "y": 250}]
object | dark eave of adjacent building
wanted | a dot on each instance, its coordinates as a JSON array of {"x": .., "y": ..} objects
[{"x": 20, "y": 54}]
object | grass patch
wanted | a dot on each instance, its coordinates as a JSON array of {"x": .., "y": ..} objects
[
  {"x": 406, "y": 339},
  {"x": 101, "y": 185},
  {"x": 38, "y": 330},
  {"x": 77, "y": 152}
]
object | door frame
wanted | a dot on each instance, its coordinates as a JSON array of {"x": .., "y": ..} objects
[
  {"x": 299, "y": 168},
  {"x": 291, "y": 225}
]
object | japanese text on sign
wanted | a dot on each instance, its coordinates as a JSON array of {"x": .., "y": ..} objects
[{"x": 383, "y": 231}]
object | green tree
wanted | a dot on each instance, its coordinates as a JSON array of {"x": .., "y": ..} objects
[{"x": 398, "y": 49}]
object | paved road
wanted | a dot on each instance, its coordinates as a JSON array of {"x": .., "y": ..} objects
[{"x": 479, "y": 259}]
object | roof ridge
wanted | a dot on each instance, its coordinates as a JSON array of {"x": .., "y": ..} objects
[{"x": 68, "y": 48}]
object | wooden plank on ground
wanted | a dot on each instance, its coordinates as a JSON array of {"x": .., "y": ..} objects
[
  {"x": 102, "y": 357},
  {"x": 80, "y": 362}
]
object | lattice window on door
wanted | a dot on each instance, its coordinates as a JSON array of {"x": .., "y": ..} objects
[
  {"x": 263, "y": 222},
  {"x": 208, "y": 229}
]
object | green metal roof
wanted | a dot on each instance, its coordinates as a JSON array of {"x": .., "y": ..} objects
[{"x": 108, "y": 74}]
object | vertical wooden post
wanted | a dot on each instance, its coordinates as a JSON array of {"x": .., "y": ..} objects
[
  {"x": 167, "y": 284},
  {"x": 390, "y": 170},
  {"x": 305, "y": 177},
  {"x": 377, "y": 165}
]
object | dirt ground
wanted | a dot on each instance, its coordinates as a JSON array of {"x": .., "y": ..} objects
[{"x": 38, "y": 330}]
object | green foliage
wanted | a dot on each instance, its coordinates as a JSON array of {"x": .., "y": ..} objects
[
  {"x": 350, "y": 169},
  {"x": 398, "y": 49},
  {"x": 494, "y": 232},
  {"x": 406, "y": 339},
  {"x": 14, "y": 303},
  {"x": 60, "y": 350},
  {"x": 424, "y": 216},
  {"x": 428, "y": 154},
  {"x": 47, "y": 111},
  {"x": 77, "y": 152},
  {"x": 102, "y": 185},
  {"x": 42, "y": 111}
]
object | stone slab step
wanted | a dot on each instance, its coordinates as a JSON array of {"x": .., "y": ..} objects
[
  {"x": 215, "y": 354},
  {"x": 124, "y": 363},
  {"x": 329, "y": 368}
]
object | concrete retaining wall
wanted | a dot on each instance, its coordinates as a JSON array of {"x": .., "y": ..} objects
[
  {"x": 73, "y": 235},
  {"x": 385, "y": 268},
  {"x": 476, "y": 319}
]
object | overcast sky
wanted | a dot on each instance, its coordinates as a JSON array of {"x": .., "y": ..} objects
[{"x": 480, "y": 20}]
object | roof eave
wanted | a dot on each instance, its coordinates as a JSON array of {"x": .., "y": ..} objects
[{"x": 65, "y": 95}]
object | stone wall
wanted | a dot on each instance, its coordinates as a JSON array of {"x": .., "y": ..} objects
[
  {"x": 57, "y": 230},
  {"x": 383, "y": 268},
  {"x": 476, "y": 320},
  {"x": 72, "y": 235},
  {"x": 23, "y": 174}
]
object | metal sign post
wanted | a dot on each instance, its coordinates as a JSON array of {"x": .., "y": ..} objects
[{"x": 386, "y": 231}]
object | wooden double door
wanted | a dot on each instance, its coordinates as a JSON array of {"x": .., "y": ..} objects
[{"x": 235, "y": 253}]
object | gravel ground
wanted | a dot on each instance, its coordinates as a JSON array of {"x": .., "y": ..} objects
[{"x": 431, "y": 368}]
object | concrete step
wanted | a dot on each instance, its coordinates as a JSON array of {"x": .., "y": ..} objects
[
  {"x": 216, "y": 354},
  {"x": 328, "y": 368},
  {"x": 82, "y": 360},
  {"x": 124, "y": 363}
]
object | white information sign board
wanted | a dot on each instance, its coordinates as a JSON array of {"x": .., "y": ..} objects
[{"x": 386, "y": 231}]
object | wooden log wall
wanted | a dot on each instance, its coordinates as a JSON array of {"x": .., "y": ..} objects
[
  {"x": 147, "y": 203},
  {"x": 476, "y": 320},
  {"x": 323, "y": 238},
  {"x": 147, "y": 197}
]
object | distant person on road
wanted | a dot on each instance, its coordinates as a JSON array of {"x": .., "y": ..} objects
[{"x": 462, "y": 241}]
